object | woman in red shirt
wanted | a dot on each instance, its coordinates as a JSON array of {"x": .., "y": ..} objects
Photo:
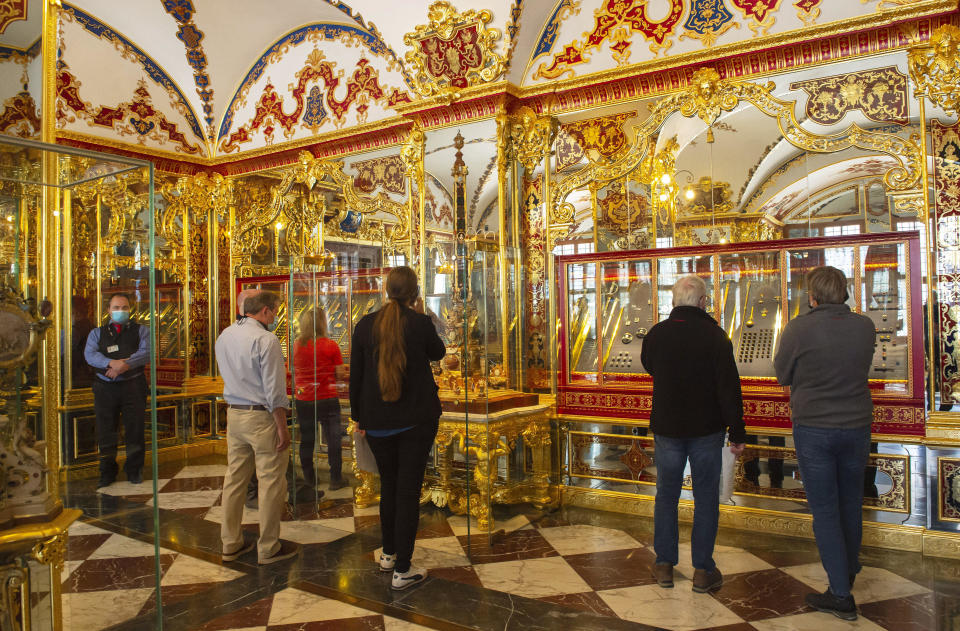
[{"x": 317, "y": 366}]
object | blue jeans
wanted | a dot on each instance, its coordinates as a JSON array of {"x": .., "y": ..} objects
[
  {"x": 832, "y": 463},
  {"x": 705, "y": 457}
]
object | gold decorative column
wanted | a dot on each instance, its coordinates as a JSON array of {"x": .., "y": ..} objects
[
  {"x": 412, "y": 157},
  {"x": 935, "y": 71}
]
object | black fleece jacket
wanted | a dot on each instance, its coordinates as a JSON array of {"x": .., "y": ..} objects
[{"x": 696, "y": 387}]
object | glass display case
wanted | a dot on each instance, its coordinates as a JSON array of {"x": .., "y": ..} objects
[{"x": 609, "y": 302}]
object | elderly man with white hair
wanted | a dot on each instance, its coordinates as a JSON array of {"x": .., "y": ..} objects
[{"x": 696, "y": 401}]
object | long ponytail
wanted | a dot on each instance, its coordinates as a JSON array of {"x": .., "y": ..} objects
[{"x": 388, "y": 332}]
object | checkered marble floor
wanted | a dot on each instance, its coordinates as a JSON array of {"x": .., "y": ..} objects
[{"x": 574, "y": 560}]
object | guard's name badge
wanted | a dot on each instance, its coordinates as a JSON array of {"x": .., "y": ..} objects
[{"x": 113, "y": 349}]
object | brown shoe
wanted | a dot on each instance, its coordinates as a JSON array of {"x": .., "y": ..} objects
[
  {"x": 707, "y": 580},
  {"x": 663, "y": 572},
  {"x": 287, "y": 550}
]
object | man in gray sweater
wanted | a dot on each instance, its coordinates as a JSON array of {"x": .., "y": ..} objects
[{"x": 825, "y": 357}]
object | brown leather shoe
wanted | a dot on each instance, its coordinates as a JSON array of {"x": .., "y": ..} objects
[
  {"x": 663, "y": 572},
  {"x": 707, "y": 580}
]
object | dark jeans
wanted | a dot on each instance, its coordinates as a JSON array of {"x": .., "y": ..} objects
[
  {"x": 670, "y": 456},
  {"x": 326, "y": 412},
  {"x": 832, "y": 463},
  {"x": 751, "y": 468},
  {"x": 111, "y": 402},
  {"x": 402, "y": 461}
]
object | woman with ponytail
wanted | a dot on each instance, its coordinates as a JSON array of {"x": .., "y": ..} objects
[{"x": 393, "y": 398}]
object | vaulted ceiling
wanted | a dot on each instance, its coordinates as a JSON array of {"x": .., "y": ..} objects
[{"x": 208, "y": 79}]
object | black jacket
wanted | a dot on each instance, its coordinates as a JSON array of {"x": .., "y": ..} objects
[
  {"x": 696, "y": 387},
  {"x": 418, "y": 401}
]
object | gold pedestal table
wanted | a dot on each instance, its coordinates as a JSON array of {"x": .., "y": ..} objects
[{"x": 470, "y": 470}]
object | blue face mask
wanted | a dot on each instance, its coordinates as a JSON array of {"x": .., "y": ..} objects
[
  {"x": 273, "y": 325},
  {"x": 119, "y": 317}
]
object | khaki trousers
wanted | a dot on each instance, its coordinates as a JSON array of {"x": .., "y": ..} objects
[{"x": 251, "y": 445}]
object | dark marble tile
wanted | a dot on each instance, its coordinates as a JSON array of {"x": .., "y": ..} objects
[
  {"x": 511, "y": 546},
  {"x": 197, "y": 511},
  {"x": 366, "y": 521},
  {"x": 781, "y": 554},
  {"x": 256, "y": 614},
  {"x": 366, "y": 623},
  {"x": 174, "y": 593},
  {"x": 587, "y": 601},
  {"x": 118, "y": 573},
  {"x": 764, "y": 594},
  {"x": 465, "y": 574},
  {"x": 334, "y": 510},
  {"x": 910, "y": 565},
  {"x": 79, "y": 547},
  {"x": 183, "y": 485},
  {"x": 740, "y": 626},
  {"x": 615, "y": 568},
  {"x": 914, "y": 613},
  {"x": 431, "y": 527}
]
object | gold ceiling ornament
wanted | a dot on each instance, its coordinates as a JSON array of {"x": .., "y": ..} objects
[
  {"x": 935, "y": 68},
  {"x": 190, "y": 201},
  {"x": 453, "y": 51},
  {"x": 526, "y": 136},
  {"x": 708, "y": 96},
  {"x": 297, "y": 205}
]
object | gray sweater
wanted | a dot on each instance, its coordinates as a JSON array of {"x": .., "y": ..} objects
[{"x": 825, "y": 357}]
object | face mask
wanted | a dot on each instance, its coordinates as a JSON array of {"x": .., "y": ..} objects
[
  {"x": 120, "y": 317},
  {"x": 273, "y": 325}
]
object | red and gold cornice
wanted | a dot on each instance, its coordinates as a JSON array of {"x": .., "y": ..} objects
[{"x": 749, "y": 59}]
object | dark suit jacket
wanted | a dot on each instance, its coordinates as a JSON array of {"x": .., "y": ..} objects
[
  {"x": 418, "y": 401},
  {"x": 696, "y": 387}
]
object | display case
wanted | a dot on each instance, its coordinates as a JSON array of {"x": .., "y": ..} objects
[{"x": 610, "y": 301}]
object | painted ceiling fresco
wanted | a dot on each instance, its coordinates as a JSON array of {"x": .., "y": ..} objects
[{"x": 204, "y": 79}]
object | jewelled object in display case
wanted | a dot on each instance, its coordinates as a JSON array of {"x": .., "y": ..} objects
[{"x": 609, "y": 301}]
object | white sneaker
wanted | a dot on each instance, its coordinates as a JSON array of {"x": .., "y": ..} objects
[
  {"x": 411, "y": 577},
  {"x": 387, "y": 561}
]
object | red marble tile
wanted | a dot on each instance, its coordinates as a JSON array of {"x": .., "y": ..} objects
[
  {"x": 253, "y": 615},
  {"x": 342, "y": 508},
  {"x": 174, "y": 593},
  {"x": 79, "y": 547},
  {"x": 587, "y": 601},
  {"x": 366, "y": 623},
  {"x": 464, "y": 574},
  {"x": 432, "y": 526},
  {"x": 366, "y": 521},
  {"x": 182, "y": 485},
  {"x": 764, "y": 594},
  {"x": 914, "y": 613},
  {"x": 615, "y": 568},
  {"x": 196, "y": 511},
  {"x": 511, "y": 546},
  {"x": 115, "y": 573}
]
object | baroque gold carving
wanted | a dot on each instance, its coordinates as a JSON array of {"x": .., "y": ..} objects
[
  {"x": 526, "y": 136},
  {"x": 935, "y": 68},
  {"x": 707, "y": 97},
  {"x": 453, "y": 50},
  {"x": 881, "y": 94}
]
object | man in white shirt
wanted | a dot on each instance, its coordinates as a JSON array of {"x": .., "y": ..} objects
[{"x": 255, "y": 389}]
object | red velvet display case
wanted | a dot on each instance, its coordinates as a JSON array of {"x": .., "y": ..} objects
[{"x": 608, "y": 301}]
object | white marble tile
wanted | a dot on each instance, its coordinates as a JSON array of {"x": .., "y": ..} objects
[
  {"x": 459, "y": 524},
  {"x": 729, "y": 561},
  {"x": 83, "y": 528},
  {"x": 307, "y": 532},
  {"x": 187, "y": 570},
  {"x": 339, "y": 494},
  {"x": 202, "y": 471},
  {"x": 532, "y": 578},
  {"x": 125, "y": 488},
  {"x": 872, "y": 583},
  {"x": 815, "y": 621},
  {"x": 92, "y": 611},
  {"x": 369, "y": 510},
  {"x": 187, "y": 499},
  {"x": 293, "y": 606},
  {"x": 119, "y": 546},
  {"x": 250, "y": 515},
  {"x": 340, "y": 523},
  {"x": 436, "y": 552},
  {"x": 583, "y": 539},
  {"x": 679, "y": 609},
  {"x": 395, "y": 624}
]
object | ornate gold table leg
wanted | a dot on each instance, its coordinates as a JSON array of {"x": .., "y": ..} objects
[
  {"x": 537, "y": 437},
  {"x": 366, "y": 494}
]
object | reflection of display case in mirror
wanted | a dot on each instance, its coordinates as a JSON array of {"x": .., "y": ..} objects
[
  {"x": 746, "y": 286},
  {"x": 171, "y": 356}
]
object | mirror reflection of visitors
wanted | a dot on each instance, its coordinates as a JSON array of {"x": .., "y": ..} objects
[{"x": 117, "y": 351}]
